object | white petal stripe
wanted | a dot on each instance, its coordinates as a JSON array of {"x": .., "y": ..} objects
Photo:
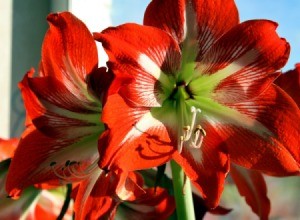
[
  {"x": 152, "y": 68},
  {"x": 146, "y": 122}
]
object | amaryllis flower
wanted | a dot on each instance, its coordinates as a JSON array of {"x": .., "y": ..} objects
[
  {"x": 34, "y": 203},
  {"x": 108, "y": 195},
  {"x": 63, "y": 110},
  {"x": 197, "y": 87}
]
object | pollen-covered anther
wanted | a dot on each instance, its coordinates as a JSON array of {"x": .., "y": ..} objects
[
  {"x": 199, "y": 134},
  {"x": 186, "y": 132}
]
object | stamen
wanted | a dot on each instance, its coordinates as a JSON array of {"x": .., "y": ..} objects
[
  {"x": 73, "y": 171},
  {"x": 52, "y": 164},
  {"x": 188, "y": 131},
  {"x": 76, "y": 170},
  {"x": 180, "y": 144},
  {"x": 194, "y": 116}
]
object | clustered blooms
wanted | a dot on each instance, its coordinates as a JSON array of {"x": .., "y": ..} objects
[{"x": 192, "y": 84}]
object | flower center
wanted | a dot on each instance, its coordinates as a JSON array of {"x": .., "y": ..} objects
[
  {"x": 181, "y": 89},
  {"x": 191, "y": 134}
]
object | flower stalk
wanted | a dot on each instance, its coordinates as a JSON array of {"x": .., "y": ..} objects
[
  {"x": 66, "y": 203},
  {"x": 182, "y": 193}
]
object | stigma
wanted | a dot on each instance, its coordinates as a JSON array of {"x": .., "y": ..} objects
[{"x": 192, "y": 135}]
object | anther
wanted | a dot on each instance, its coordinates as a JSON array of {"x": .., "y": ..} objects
[
  {"x": 73, "y": 163},
  {"x": 199, "y": 136},
  {"x": 198, "y": 128},
  {"x": 186, "y": 132},
  {"x": 181, "y": 144},
  {"x": 67, "y": 163},
  {"x": 203, "y": 132},
  {"x": 186, "y": 128}
]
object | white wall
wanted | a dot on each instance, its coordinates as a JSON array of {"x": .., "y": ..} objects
[
  {"x": 5, "y": 61},
  {"x": 96, "y": 15}
]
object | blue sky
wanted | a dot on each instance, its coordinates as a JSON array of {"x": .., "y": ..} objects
[{"x": 285, "y": 12}]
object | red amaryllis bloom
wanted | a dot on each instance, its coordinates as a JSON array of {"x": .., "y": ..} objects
[
  {"x": 197, "y": 88},
  {"x": 105, "y": 196},
  {"x": 290, "y": 83},
  {"x": 34, "y": 203},
  {"x": 61, "y": 142}
]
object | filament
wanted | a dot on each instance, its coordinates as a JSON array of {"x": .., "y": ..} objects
[
  {"x": 73, "y": 171},
  {"x": 194, "y": 136}
]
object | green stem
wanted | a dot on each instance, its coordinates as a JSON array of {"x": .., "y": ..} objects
[
  {"x": 182, "y": 193},
  {"x": 66, "y": 204}
]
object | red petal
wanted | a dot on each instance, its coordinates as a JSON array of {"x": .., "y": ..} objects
[
  {"x": 290, "y": 83},
  {"x": 96, "y": 196},
  {"x": 145, "y": 54},
  {"x": 99, "y": 82},
  {"x": 49, "y": 205},
  {"x": 69, "y": 51},
  {"x": 129, "y": 185},
  {"x": 248, "y": 55},
  {"x": 56, "y": 112},
  {"x": 195, "y": 20},
  {"x": 40, "y": 212},
  {"x": 206, "y": 167},
  {"x": 61, "y": 93},
  {"x": 21, "y": 208},
  {"x": 277, "y": 153},
  {"x": 49, "y": 89},
  {"x": 94, "y": 199},
  {"x": 35, "y": 154},
  {"x": 154, "y": 204},
  {"x": 135, "y": 139},
  {"x": 252, "y": 186},
  {"x": 220, "y": 210},
  {"x": 7, "y": 148}
]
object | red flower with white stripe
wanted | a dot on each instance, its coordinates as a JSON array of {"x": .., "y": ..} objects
[
  {"x": 197, "y": 87},
  {"x": 63, "y": 109}
]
